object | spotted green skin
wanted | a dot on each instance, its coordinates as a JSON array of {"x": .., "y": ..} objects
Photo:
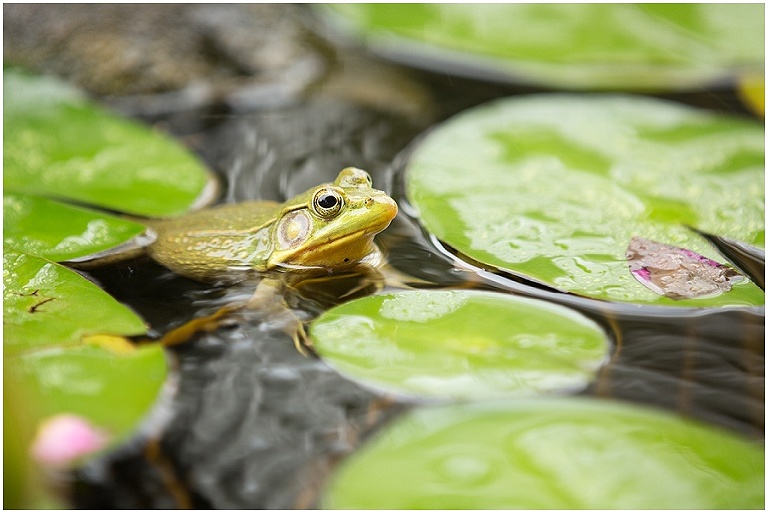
[{"x": 263, "y": 236}]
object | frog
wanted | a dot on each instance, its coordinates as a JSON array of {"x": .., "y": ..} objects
[{"x": 328, "y": 229}]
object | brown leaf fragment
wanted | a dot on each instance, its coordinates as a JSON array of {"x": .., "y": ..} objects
[{"x": 678, "y": 273}]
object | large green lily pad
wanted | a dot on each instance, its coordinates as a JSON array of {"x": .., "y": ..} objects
[
  {"x": 460, "y": 344},
  {"x": 585, "y": 46},
  {"x": 58, "y": 144},
  {"x": 549, "y": 454},
  {"x": 554, "y": 188}
]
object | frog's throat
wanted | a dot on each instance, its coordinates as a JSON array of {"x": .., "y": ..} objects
[{"x": 343, "y": 252}]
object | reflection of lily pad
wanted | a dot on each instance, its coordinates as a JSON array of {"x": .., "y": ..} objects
[
  {"x": 58, "y": 144},
  {"x": 627, "y": 46},
  {"x": 554, "y": 187},
  {"x": 549, "y": 454},
  {"x": 460, "y": 344}
]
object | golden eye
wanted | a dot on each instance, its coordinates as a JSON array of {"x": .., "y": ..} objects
[{"x": 327, "y": 202}]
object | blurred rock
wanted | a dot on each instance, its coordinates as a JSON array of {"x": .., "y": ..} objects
[{"x": 126, "y": 49}]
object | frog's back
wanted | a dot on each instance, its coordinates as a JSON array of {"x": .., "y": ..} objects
[{"x": 216, "y": 240}]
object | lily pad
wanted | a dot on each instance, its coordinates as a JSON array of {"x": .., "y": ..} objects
[
  {"x": 60, "y": 342},
  {"x": 554, "y": 188},
  {"x": 579, "y": 46},
  {"x": 58, "y": 144},
  {"x": 112, "y": 391},
  {"x": 549, "y": 454},
  {"x": 45, "y": 304},
  {"x": 58, "y": 232},
  {"x": 460, "y": 344},
  {"x": 64, "y": 336}
]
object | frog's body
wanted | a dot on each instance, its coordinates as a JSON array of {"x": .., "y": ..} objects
[{"x": 330, "y": 226}]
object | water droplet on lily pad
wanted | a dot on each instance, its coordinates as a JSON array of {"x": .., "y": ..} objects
[
  {"x": 421, "y": 306},
  {"x": 460, "y": 344}
]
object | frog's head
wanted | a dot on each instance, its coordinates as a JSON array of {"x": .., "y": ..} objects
[{"x": 331, "y": 226}]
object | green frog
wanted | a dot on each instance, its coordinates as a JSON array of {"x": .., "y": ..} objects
[{"x": 329, "y": 228}]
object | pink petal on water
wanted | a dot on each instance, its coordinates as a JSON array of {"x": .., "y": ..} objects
[
  {"x": 677, "y": 273},
  {"x": 64, "y": 438}
]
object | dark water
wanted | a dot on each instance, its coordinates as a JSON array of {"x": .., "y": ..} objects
[{"x": 248, "y": 422}]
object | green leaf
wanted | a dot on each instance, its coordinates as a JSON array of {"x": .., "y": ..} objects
[
  {"x": 554, "y": 187},
  {"x": 62, "y": 345},
  {"x": 57, "y": 231},
  {"x": 460, "y": 344},
  {"x": 58, "y": 144},
  {"x": 45, "y": 304},
  {"x": 113, "y": 391},
  {"x": 549, "y": 454},
  {"x": 590, "y": 46}
]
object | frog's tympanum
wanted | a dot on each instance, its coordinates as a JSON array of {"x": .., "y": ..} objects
[{"x": 328, "y": 227}]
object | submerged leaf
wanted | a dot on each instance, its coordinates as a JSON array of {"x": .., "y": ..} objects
[
  {"x": 676, "y": 272},
  {"x": 460, "y": 344},
  {"x": 556, "y": 454}
]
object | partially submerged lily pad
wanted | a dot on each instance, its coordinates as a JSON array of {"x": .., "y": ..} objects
[
  {"x": 554, "y": 187},
  {"x": 460, "y": 344},
  {"x": 549, "y": 454},
  {"x": 585, "y": 46}
]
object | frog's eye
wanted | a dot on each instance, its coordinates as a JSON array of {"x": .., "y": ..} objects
[{"x": 327, "y": 202}]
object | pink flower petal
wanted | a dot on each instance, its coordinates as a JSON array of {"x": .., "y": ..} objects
[{"x": 63, "y": 438}]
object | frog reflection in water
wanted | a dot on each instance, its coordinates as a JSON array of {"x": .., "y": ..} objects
[{"x": 330, "y": 227}]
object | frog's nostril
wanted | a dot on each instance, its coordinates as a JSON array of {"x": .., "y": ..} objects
[{"x": 369, "y": 202}]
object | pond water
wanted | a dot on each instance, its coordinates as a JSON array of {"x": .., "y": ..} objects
[{"x": 248, "y": 422}]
